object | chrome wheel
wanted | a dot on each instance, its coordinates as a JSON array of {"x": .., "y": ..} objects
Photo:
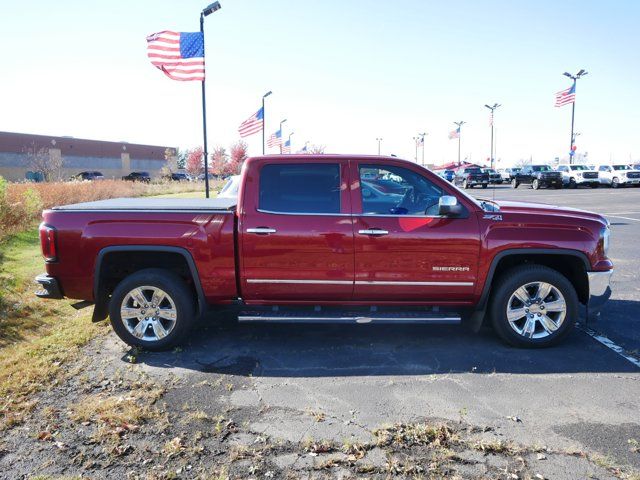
[
  {"x": 536, "y": 310},
  {"x": 148, "y": 313}
]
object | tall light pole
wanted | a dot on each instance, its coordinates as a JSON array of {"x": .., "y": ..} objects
[
  {"x": 205, "y": 13},
  {"x": 379, "y": 140},
  {"x": 281, "y": 135},
  {"x": 492, "y": 108},
  {"x": 459, "y": 125},
  {"x": 421, "y": 138},
  {"x": 415, "y": 141},
  {"x": 575, "y": 78},
  {"x": 264, "y": 118}
]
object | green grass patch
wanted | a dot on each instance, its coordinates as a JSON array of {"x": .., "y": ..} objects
[{"x": 37, "y": 337}]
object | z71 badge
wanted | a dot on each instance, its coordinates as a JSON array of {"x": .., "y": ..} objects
[{"x": 493, "y": 216}]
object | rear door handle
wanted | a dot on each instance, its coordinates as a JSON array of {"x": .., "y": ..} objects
[
  {"x": 261, "y": 230},
  {"x": 373, "y": 231}
]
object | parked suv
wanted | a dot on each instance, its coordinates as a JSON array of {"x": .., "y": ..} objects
[
  {"x": 575, "y": 175},
  {"x": 537, "y": 176},
  {"x": 494, "y": 177},
  {"x": 469, "y": 177},
  {"x": 508, "y": 173},
  {"x": 618, "y": 175},
  {"x": 88, "y": 176},
  {"x": 138, "y": 177}
]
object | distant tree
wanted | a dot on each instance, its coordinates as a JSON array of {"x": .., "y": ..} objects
[
  {"x": 238, "y": 156},
  {"x": 38, "y": 159},
  {"x": 523, "y": 162},
  {"x": 219, "y": 160},
  {"x": 182, "y": 159},
  {"x": 193, "y": 162},
  {"x": 315, "y": 149}
]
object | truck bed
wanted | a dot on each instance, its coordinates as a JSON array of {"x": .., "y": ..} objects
[{"x": 155, "y": 204}]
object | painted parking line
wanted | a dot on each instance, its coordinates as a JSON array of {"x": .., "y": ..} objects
[
  {"x": 610, "y": 345},
  {"x": 618, "y": 216}
]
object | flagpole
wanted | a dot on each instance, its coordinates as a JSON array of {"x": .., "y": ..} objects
[
  {"x": 264, "y": 118},
  {"x": 204, "y": 118},
  {"x": 573, "y": 114}
]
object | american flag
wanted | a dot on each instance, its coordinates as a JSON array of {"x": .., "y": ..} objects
[
  {"x": 303, "y": 149},
  {"x": 420, "y": 141},
  {"x": 286, "y": 148},
  {"x": 180, "y": 55},
  {"x": 454, "y": 133},
  {"x": 253, "y": 124},
  {"x": 275, "y": 139},
  {"x": 566, "y": 96}
]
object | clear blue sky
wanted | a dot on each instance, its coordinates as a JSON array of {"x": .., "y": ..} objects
[{"x": 342, "y": 72}]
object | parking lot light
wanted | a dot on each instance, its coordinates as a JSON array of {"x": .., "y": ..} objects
[
  {"x": 492, "y": 108},
  {"x": 581, "y": 73}
]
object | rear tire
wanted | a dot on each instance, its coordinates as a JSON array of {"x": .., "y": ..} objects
[
  {"x": 153, "y": 309},
  {"x": 465, "y": 185},
  {"x": 541, "y": 323},
  {"x": 484, "y": 185},
  {"x": 514, "y": 183}
]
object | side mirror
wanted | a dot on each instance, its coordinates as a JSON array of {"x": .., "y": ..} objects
[{"x": 448, "y": 206}]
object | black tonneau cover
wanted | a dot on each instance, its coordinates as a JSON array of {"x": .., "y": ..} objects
[{"x": 155, "y": 204}]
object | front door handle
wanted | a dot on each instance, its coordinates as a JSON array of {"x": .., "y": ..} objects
[
  {"x": 261, "y": 230},
  {"x": 373, "y": 231}
]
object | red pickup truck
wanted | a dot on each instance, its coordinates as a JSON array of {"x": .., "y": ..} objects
[{"x": 329, "y": 238}]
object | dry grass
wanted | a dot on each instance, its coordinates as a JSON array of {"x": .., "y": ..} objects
[
  {"x": 132, "y": 409},
  {"x": 407, "y": 435},
  {"x": 21, "y": 203}
]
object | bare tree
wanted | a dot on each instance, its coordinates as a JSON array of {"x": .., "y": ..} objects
[
  {"x": 315, "y": 149},
  {"x": 38, "y": 159},
  {"x": 523, "y": 162}
]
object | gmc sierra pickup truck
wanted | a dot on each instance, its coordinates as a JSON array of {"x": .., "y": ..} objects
[{"x": 312, "y": 239}]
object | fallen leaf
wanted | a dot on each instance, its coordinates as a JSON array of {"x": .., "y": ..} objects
[{"x": 44, "y": 436}]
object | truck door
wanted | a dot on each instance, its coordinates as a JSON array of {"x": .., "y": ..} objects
[
  {"x": 404, "y": 251},
  {"x": 296, "y": 231}
]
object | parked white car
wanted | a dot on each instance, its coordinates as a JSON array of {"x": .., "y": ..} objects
[
  {"x": 618, "y": 175},
  {"x": 507, "y": 174},
  {"x": 575, "y": 175}
]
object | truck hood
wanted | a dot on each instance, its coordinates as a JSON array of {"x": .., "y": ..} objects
[{"x": 545, "y": 209}]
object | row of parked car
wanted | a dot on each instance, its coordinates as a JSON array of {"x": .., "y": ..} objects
[
  {"x": 545, "y": 176},
  {"x": 132, "y": 177}
]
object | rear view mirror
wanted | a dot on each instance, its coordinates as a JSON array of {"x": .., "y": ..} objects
[{"x": 448, "y": 206}]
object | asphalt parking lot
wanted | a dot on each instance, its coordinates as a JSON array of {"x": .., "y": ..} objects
[{"x": 580, "y": 395}]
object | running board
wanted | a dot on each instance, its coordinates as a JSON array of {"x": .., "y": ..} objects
[{"x": 334, "y": 317}]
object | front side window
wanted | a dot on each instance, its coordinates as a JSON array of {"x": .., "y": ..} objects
[
  {"x": 621, "y": 167},
  {"x": 300, "y": 188},
  {"x": 391, "y": 190}
]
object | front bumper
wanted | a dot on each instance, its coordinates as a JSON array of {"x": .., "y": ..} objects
[
  {"x": 599, "y": 292},
  {"x": 50, "y": 287}
]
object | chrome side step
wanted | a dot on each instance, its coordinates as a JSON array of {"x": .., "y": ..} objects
[{"x": 331, "y": 317}]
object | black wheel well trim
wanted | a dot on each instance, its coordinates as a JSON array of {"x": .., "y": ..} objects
[
  {"x": 486, "y": 290},
  {"x": 202, "y": 303}
]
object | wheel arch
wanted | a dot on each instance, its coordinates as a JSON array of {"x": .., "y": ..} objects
[
  {"x": 101, "y": 289},
  {"x": 575, "y": 267}
]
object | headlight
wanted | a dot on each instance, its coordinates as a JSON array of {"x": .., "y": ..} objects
[{"x": 604, "y": 239}]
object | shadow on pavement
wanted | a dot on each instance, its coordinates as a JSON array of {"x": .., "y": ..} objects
[{"x": 298, "y": 350}]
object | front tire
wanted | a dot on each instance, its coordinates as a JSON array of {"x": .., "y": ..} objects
[
  {"x": 536, "y": 184},
  {"x": 153, "y": 309},
  {"x": 465, "y": 185},
  {"x": 533, "y": 306},
  {"x": 615, "y": 182},
  {"x": 514, "y": 183}
]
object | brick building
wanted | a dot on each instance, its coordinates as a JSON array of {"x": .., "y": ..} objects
[{"x": 113, "y": 159}]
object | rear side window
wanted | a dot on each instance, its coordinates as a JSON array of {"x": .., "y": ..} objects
[{"x": 300, "y": 188}]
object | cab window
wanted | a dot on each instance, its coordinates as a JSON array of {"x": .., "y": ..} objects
[
  {"x": 300, "y": 188},
  {"x": 391, "y": 190}
]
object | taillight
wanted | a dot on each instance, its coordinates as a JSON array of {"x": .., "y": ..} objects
[{"x": 48, "y": 243}]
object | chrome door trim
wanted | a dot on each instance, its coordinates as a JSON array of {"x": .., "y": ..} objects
[
  {"x": 424, "y": 284},
  {"x": 360, "y": 282},
  {"x": 300, "y": 282},
  {"x": 261, "y": 230}
]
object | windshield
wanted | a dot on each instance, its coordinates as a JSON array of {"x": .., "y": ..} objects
[
  {"x": 541, "y": 168},
  {"x": 578, "y": 167},
  {"x": 621, "y": 167},
  {"x": 472, "y": 170}
]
